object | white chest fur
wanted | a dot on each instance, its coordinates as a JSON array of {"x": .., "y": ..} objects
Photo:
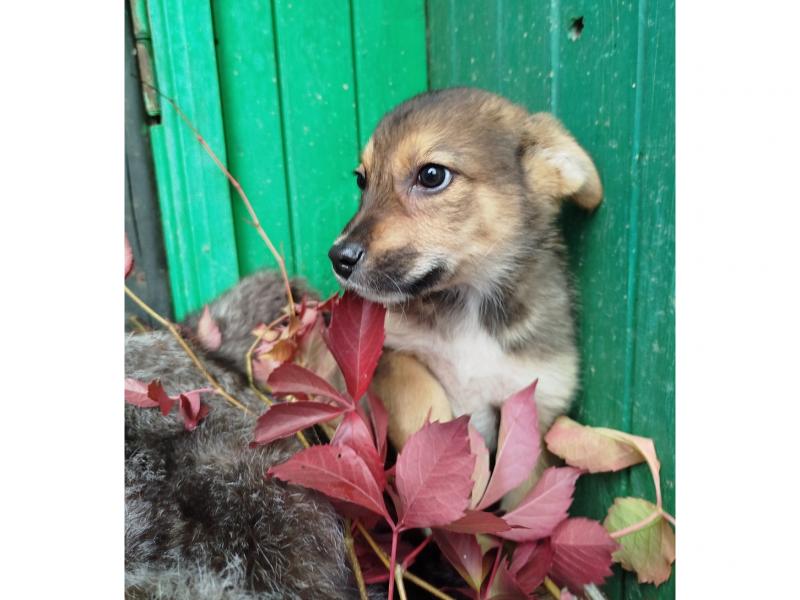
[{"x": 478, "y": 375}]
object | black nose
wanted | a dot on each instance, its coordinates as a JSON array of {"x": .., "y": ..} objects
[{"x": 345, "y": 257}]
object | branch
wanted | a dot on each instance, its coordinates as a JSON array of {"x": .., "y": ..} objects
[
  {"x": 406, "y": 574},
  {"x": 255, "y": 222},
  {"x": 198, "y": 363},
  {"x": 351, "y": 553}
]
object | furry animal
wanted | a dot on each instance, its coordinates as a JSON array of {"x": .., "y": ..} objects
[
  {"x": 456, "y": 233},
  {"x": 201, "y": 520}
]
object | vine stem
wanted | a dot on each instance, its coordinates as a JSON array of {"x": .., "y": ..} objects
[
  {"x": 406, "y": 574},
  {"x": 411, "y": 556},
  {"x": 393, "y": 566},
  {"x": 198, "y": 363},
  {"x": 351, "y": 553},
  {"x": 494, "y": 568},
  {"x": 255, "y": 221},
  {"x": 642, "y": 524}
]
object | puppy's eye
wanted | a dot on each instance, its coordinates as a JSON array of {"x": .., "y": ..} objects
[
  {"x": 434, "y": 178},
  {"x": 361, "y": 180}
]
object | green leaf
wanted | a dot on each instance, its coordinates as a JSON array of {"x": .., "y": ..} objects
[{"x": 650, "y": 551}]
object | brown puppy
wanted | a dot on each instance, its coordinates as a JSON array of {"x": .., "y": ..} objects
[{"x": 456, "y": 234}]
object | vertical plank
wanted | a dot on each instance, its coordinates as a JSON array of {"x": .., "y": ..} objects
[
  {"x": 596, "y": 99},
  {"x": 253, "y": 133},
  {"x": 315, "y": 67},
  {"x": 653, "y": 375},
  {"x": 195, "y": 203},
  {"x": 390, "y": 57},
  {"x": 142, "y": 219},
  {"x": 500, "y": 46},
  {"x": 592, "y": 78}
]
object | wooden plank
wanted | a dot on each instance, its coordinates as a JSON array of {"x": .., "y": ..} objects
[
  {"x": 315, "y": 67},
  {"x": 499, "y": 46},
  {"x": 586, "y": 62},
  {"x": 195, "y": 203},
  {"x": 142, "y": 219},
  {"x": 253, "y": 132},
  {"x": 653, "y": 368},
  {"x": 390, "y": 57},
  {"x": 596, "y": 75}
]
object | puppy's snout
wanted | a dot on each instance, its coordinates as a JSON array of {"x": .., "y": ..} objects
[{"x": 345, "y": 256}]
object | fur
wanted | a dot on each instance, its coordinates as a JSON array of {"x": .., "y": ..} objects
[
  {"x": 201, "y": 520},
  {"x": 473, "y": 272}
]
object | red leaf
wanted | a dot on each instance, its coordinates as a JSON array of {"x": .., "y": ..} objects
[
  {"x": 380, "y": 423},
  {"x": 287, "y": 418},
  {"x": 480, "y": 475},
  {"x": 544, "y": 507},
  {"x": 192, "y": 410},
  {"x": 355, "y": 338},
  {"x": 477, "y": 521},
  {"x": 464, "y": 553},
  {"x": 136, "y": 394},
  {"x": 517, "y": 445},
  {"x": 353, "y": 432},
  {"x": 157, "y": 393},
  {"x": 530, "y": 564},
  {"x": 582, "y": 552},
  {"x": 290, "y": 378},
  {"x": 337, "y": 472},
  {"x": 433, "y": 475},
  {"x": 128, "y": 257},
  {"x": 208, "y": 333}
]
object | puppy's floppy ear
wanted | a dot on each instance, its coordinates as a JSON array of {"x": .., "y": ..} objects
[{"x": 555, "y": 166}]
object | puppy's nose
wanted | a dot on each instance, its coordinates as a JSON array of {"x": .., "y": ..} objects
[{"x": 345, "y": 257}]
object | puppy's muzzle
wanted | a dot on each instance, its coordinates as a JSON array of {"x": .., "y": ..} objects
[{"x": 345, "y": 256}]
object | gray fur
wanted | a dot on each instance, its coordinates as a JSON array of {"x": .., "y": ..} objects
[{"x": 201, "y": 521}]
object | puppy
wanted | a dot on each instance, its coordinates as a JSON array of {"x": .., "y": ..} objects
[{"x": 456, "y": 234}]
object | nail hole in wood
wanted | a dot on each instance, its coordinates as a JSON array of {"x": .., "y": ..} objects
[{"x": 576, "y": 28}]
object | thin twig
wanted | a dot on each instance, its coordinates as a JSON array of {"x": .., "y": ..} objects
[
  {"x": 552, "y": 588},
  {"x": 406, "y": 574},
  {"x": 411, "y": 556},
  {"x": 198, "y": 363},
  {"x": 401, "y": 587},
  {"x": 138, "y": 324},
  {"x": 351, "y": 552},
  {"x": 255, "y": 222}
]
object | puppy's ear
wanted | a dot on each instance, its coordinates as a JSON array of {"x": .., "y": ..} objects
[{"x": 555, "y": 166}]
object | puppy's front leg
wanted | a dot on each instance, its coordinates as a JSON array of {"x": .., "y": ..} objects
[{"x": 408, "y": 391}]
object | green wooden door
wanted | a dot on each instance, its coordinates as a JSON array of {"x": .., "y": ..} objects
[
  {"x": 606, "y": 68},
  {"x": 286, "y": 91}
]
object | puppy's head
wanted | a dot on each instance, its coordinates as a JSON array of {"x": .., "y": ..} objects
[{"x": 455, "y": 183}]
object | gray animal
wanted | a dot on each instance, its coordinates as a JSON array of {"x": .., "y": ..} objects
[{"x": 201, "y": 520}]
